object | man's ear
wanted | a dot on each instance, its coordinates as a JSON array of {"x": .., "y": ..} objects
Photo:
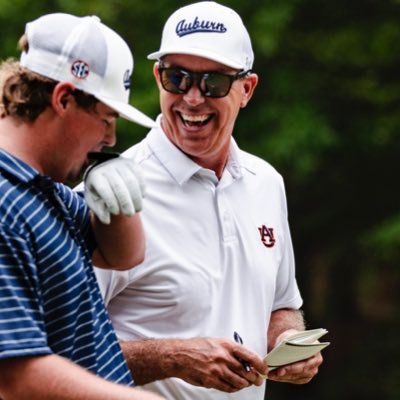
[
  {"x": 156, "y": 74},
  {"x": 62, "y": 96},
  {"x": 249, "y": 84}
]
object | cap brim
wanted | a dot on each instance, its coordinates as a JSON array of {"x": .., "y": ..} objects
[
  {"x": 128, "y": 112},
  {"x": 196, "y": 52}
]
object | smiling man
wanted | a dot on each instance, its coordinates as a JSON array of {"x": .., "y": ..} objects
[
  {"x": 59, "y": 103},
  {"x": 219, "y": 257}
]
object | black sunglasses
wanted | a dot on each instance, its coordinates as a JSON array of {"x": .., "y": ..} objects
[{"x": 210, "y": 84}]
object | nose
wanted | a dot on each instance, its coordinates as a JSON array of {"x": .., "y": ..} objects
[
  {"x": 193, "y": 97},
  {"x": 110, "y": 138}
]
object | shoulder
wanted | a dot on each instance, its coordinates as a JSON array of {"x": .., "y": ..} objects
[
  {"x": 260, "y": 168},
  {"x": 74, "y": 202},
  {"x": 140, "y": 150},
  {"x": 149, "y": 148},
  {"x": 69, "y": 196}
]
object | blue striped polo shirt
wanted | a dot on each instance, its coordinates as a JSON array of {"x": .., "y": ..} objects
[{"x": 50, "y": 302}]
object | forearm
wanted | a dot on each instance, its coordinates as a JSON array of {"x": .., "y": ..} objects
[
  {"x": 121, "y": 244},
  {"x": 283, "y": 320},
  {"x": 52, "y": 377},
  {"x": 148, "y": 359}
]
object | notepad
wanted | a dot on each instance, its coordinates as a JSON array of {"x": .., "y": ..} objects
[{"x": 297, "y": 347}]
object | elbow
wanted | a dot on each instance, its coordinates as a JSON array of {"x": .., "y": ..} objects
[
  {"x": 119, "y": 261},
  {"x": 130, "y": 260},
  {"x": 129, "y": 263}
]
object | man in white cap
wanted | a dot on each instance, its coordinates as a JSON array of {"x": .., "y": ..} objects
[
  {"x": 58, "y": 104},
  {"x": 219, "y": 259}
]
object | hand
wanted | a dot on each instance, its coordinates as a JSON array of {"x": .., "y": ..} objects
[
  {"x": 298, "y": 373},
  {"x": 216, "y": 363},
  {"x": 114, "y": 187}
]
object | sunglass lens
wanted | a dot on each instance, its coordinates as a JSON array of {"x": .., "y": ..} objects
[
  {"x": 217, "y": 85},
  {"x": 175, "y": 80}
]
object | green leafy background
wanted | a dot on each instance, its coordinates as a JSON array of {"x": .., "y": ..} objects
[{"x": 326, "y": 114}]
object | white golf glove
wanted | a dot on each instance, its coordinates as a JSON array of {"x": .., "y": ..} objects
[{"x": 114, "y": 187}]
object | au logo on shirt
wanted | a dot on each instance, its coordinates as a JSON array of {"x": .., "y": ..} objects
[{"x": 267, "y": 236}]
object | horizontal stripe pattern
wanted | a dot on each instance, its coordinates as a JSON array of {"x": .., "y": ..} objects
[{"x": 49, "y": 298}]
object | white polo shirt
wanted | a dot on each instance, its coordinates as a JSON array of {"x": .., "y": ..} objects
[{"x": 218, "y": 256}]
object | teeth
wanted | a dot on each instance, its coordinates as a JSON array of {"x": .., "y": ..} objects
[{"x": 194, "y": 118}]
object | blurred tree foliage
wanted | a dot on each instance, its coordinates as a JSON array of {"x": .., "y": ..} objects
[{"x": 326, "y": 114}]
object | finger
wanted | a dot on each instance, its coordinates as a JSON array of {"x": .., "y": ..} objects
[
  {"x": 239, "y": 377},
  {"x": 100, "y": 186},
  {"x": 295, "y": 373},
  {"x": 231, "y": 384},
  {"x": 98, "y": 207},
  {"x": 257, "y": 363},
  {"x": 134, "y": 190},
  {"x": 103, "y": 215},
  {"x": 120, "y": 185},
  {"x": 252, "y": 376}
]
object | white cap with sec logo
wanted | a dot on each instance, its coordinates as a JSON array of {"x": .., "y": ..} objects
[{"x": 87, "y": 53}]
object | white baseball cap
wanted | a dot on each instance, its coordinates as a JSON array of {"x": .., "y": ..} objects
[
  {"x": 87, "y": 53},
  {"x": 210, "y": 30}
]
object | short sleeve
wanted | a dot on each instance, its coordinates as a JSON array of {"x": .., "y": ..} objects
[
  {"x": 287, "y": 292},
  {"x": 22, "y": 331}
]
